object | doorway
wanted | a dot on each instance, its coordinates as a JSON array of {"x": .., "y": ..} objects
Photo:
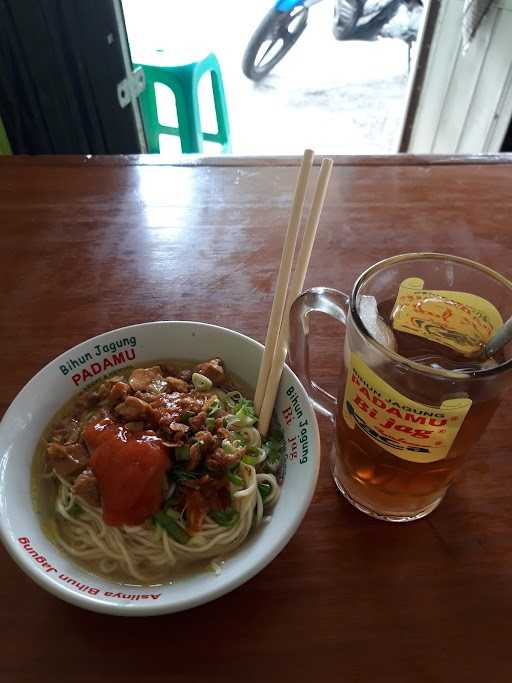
[{"x": 339, "y": 97}]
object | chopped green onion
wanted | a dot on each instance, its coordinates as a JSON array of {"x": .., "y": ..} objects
[
  {"x": 251, "y": 436},
  {"x": 75, "y": 510},
  {"x": 227, "y": 446},
  {"x": 186, "y": 415},
  {"x": 173, "y": 529},
  {"x": 235, "y": 446},
  {"x": 253, "y": 455},
  {"x": 274, "y": 448},
  {"x": 244, "y": 415},
  {"x": 210, "y": 423},
  {"x": 215, "y": 567},
  {"x": 265, "y": 489},
  {"x": 235, "y": 396},
  {"x": 239, "y": 421},
  {"x": 214, "y": 406},
  {"x": 201, "y": 382},
  {"x": 246, "y": 407},
  {"x": 229, "y": 403},
  {"x": 182, "y": 453},
  {"x": 227, "y": 517},
  {"x": 245, "y": 420},
  {"x": 169, "y": 511},
  {"x": 250, "y": 459},
  {"x": 235, "y": 479}
]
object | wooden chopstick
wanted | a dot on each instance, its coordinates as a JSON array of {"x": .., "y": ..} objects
[
  {"x": 295, "y": 289},
  {"x": 283, "y": 277}
]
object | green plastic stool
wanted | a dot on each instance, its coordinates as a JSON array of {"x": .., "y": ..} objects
[{"x": 184, "y": 81}]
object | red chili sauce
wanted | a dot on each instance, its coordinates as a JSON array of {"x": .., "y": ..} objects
[{"x": 130, "y": 470}]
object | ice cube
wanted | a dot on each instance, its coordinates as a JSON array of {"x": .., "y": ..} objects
[
  {"x": 369, "y": 314},
  {"x": 384, "y": 335}
]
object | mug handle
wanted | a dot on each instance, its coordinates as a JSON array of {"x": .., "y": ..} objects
[{"x": 324, "y": 300}]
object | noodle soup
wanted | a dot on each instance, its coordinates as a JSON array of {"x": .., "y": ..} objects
[{"x": 155, "y": 469}]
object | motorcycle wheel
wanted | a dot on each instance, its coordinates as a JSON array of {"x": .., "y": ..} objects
[
  {"x": 346, "y": 15},
  {"x": 274, "y": 37}
]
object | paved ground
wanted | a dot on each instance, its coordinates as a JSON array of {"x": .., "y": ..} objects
[{"x": 337, "y": 97}]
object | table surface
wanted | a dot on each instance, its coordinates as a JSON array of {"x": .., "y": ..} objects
[{"x": 91, "y": 244}]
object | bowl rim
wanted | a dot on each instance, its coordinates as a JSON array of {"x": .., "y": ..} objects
[{"x": 92, "y": 603}]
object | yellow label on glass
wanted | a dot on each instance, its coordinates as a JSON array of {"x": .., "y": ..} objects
[
  {"x": 408, "y": 429},
  {"x": 463, "y": 322}
]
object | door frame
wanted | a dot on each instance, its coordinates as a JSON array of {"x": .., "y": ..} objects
[
  {"x": 417, "y": 79},
  {"x": 442, "y": 114},
  {"x": 128, "y": 64}
]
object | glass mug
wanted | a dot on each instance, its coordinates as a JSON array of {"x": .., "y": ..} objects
[{"x": 412, "y": 397}]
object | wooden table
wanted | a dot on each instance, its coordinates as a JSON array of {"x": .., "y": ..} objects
[{"x": 88, "y": 245}]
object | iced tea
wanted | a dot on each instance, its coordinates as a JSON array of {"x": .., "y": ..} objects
[
  {"x": 379, "y": 480},
  {"x": 415, "y": 394}
]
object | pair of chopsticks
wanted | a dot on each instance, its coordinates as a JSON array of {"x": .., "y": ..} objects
[{"x": 288, "y": 286}]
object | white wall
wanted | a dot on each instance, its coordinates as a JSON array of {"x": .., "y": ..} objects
[{"x": 465, "y": 104}]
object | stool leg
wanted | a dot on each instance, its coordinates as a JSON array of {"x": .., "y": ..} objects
[
  {"x": 150, "y": 118},
  {"x": 189, "y": 120},
  {"x": 221, "y": 111}
]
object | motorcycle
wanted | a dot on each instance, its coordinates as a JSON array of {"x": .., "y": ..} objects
[{"x": 284, "y": 24}]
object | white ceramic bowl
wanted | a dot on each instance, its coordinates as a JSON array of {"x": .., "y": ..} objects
[{"x": 56, "y": 383}]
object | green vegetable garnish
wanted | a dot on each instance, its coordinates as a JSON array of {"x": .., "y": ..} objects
[
  {"x": 210, "y": 423},
  {"x": 228, "y": 447},
  {"x": 187, "y": 414},
  {"x": 214, "y": 406},
  {"x": 229, "y": 404},
  {"x": 167, "y": 508},
  {"x": 182, "y": 453},
  {"x": 235, "y": 479},
  {"x": 244, "y": 415},
  {"x": 227, "y": 517},
  {"x": 252, "y": 455},
  {"x": 265, "y": 490},
  {"x": 250, "y": 459},
  {"x": 246, "y": 409},
  {"x": 173, "y": 529},
  {"x": 274, "y": 447},
  {"x": 235, "y": 396},
  {"x": 201, "y": 382},
  {"x": 75, "y": 510}
]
